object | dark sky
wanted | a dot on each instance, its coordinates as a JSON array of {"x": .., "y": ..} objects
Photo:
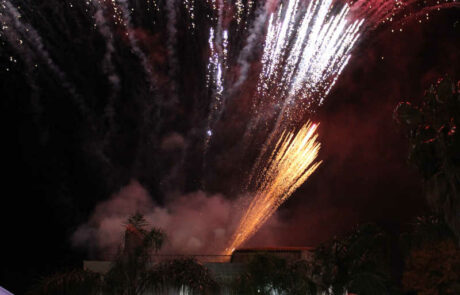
[{"x": 63, "y": 155}]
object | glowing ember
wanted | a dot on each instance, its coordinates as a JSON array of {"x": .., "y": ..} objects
[{"x": 286, "y": 168}]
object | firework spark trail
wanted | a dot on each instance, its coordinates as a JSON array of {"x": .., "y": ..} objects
[
  {"x": 13, "y": 37},
  {"x": 217, "y": 67},
  {"x": 190, "y": 8},
  {"x": 108, "y": 65},
  {"x": 215, "y": 81},
  {"x": 299, "y": 69},
  {"x": 255, "y": 32},
  {"x": 306, "y": 49},
  {"x": 172, "y": 44},
  {"x": 297, "y": 65},
  {"x": 307, "y": 44},
  {"x": 309, "y": 59},
  {"x": 287, "y": 167},
  {"x": 316, "y": 56},
  {"x": 124, "y": 17},
  {"x": 242, "y": 12},
  {"x": 10, "y": 15},
  {"x": 379, "y": 12}
]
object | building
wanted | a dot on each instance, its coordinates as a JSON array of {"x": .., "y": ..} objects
[{"x": 223, "y": 268}]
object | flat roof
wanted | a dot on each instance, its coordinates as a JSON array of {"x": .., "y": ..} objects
[{"x": 273, "y": 249}]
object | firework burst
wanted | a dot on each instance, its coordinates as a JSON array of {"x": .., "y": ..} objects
[
  {"x": 286, "y": 168},
  {"x": 305, "y": 51},
  {"x": 296, "y": 50},
  {"x": 306, "y": 47}
]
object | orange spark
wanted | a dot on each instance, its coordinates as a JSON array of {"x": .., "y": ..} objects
[{"x": 288, "y": 166}]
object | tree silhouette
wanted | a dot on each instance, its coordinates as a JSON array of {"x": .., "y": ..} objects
[
  {"x": 433, "y": 269},
  {"x": 268, "y": 274},
  {"x": 434, "y": 146},
  {"x": 427, "y": 229},
  {"x": 432, "y": 264},
  {"x": 185, "y": 276},
  {"x": 129, "y": 274},
  {"x": 75, "y": 282},
  {"x": 357, "y": 263},
  {"x": 133, "y": 271}
]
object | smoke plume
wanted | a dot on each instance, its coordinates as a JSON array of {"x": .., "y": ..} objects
[{"x": 195, "y": 223}]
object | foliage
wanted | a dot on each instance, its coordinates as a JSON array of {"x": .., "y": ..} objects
[
  {"x": 183, "y": 273},
  {"x": 130, "y": 272},
  {"x": 425, "y": 230},
  {"x": 151, "y": 239},
  {"x": 432, "y": 264},
  {"x": 433, "y": 269},
  {"x": 266, "y": 274},
  {"x": 357, "y": 263},
  {"x": 75, "y": 282},
  {"x": 133, "y": 271},
  {"x": 298, "y": 279},
  {"x": 435, "y": 146}
]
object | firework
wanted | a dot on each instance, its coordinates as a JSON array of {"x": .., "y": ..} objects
[
  {"x": 287, "y": 167},
  {"x": 305, "y": 51},
  {"x": 296, "y": 50},
  {"x": 316, "y": 53},
  {"x": 190, "y": 8},
  {"x": 396, "y": 13},
  {"x": 306, "y": 48},
  {"x": 302, "y": 59}
]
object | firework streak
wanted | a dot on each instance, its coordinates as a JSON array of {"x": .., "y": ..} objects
[
  {"x": 303, "y": 57},
  {"x": 295, "y": 49},
  {"x": 305, "y": 50},
  {"x": 291, "y": 162},
  {"x": 306, "y": 46}
]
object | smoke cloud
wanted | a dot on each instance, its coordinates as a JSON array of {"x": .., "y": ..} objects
[
  {"x": 173, "y": 141},
  {"x": 195, "y": 223}
]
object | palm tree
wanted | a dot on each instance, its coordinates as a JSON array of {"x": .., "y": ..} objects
[
  {"x": 133, "y": 271},
  {"x": 129, "y": 274}
]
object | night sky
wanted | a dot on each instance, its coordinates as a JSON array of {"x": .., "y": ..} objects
[{"x": 64, "y": 155}]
